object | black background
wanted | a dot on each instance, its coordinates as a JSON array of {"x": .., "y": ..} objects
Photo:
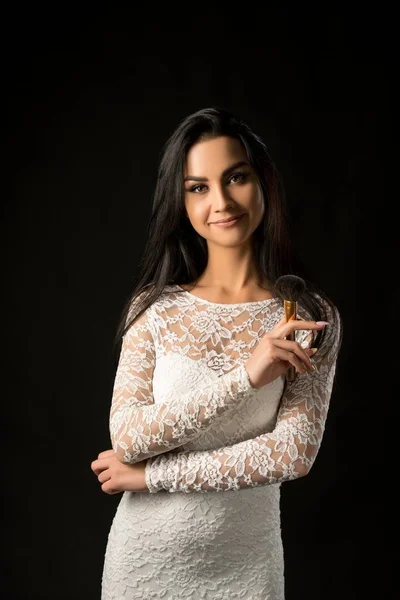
[{"x": 92, "y": 94}]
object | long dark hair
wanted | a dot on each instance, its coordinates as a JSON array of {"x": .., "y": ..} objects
[{"x": 176, "y": 254}]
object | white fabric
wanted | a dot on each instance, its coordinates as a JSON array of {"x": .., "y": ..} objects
[{"x": 182, "y": 399}]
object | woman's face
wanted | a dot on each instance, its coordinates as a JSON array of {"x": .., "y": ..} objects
[{"x": 220, "y": 183}]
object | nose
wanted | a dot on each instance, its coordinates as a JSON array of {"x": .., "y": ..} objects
[{"x": 221, "y": 198}]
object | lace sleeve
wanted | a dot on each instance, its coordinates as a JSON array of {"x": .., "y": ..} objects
[
  {"x": 288, "y": 452},
  {"x": 140, "y": 428}
]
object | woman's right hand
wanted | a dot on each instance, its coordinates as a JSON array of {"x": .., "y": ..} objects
[{"x": 274, "y": 354}]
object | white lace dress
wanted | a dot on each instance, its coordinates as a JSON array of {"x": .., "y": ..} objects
[{"x": 182, "y": 399}]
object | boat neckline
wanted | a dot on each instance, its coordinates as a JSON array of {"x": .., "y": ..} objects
[{"x": 253, "y": 303}]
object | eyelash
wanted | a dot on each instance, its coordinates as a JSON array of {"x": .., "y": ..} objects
[{"x": 243, "y": 177}]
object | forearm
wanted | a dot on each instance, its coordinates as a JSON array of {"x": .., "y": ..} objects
[
  {"x": 284, "y": 454},
  {"x": 143, "y": 431},
  {"x": 250, "y": 463}
]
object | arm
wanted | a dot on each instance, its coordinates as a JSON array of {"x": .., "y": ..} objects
[
  {"x": 139, "y": 428},
  {"x": 286, "y": 453}
]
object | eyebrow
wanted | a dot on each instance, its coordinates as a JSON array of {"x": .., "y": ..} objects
[{"x": 241, "y": 163}]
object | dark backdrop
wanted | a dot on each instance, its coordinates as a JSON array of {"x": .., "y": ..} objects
[{"x": 92, "y": 95}]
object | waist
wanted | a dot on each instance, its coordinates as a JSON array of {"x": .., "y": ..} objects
[{"x": 260, "y": 504}]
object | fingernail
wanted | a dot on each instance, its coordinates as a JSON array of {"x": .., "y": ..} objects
[
  {"x": 321, "y": 323},
  {"x": 313, "y": 350}
]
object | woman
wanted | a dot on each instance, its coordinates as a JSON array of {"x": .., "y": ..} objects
[{"x": 201, "y": 401}]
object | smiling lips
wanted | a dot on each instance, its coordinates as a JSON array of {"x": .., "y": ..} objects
[{"x": 228, "y": 222}]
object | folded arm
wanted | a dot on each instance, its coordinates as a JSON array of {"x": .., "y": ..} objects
[
  {"x": 139, "y": 428},
  {"x": 286, "y": 453}
]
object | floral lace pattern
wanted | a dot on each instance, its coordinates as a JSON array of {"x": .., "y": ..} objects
[
  {"x": 183, "y": 402},
  {"x": 213, "y": 333}
]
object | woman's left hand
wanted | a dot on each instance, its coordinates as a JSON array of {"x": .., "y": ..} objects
[{"x": 116, "y": 476}]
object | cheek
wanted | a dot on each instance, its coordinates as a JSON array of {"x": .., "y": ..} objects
[
  {"x": 251, "y": 196},
  {"x": 197, "y": 213},
  {"x": 255, "y": 204},
  {"x": 258, "y": 200}
]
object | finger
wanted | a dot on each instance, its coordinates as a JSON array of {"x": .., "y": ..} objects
[
  {"x": 98, "y": 466},
  {"x": 95, "y": 467},
  {"x": 291, "y": 358},
  {"x": 106, "y": 487},
  {"x": 106, "y": 453},
  {"x": 297, "y": 324},
  {"x": 283, "y": 321},
  {"x": 295, "y": 347},
  {"x": 104, "y": 476}
]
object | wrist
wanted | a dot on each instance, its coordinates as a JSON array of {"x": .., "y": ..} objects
[
  {"x": 151, "y": 488},
  {"x": 250, "y": 380}
]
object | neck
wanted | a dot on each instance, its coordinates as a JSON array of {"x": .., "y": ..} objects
[{"x": 231, "y": 270}]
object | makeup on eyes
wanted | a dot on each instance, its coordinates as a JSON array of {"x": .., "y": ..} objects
[{"x": 243, "y": 176}]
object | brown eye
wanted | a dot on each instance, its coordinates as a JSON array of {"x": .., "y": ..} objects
[
  {"x": 197, "y": 188},
  {"x": 239, "y": 177}
]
